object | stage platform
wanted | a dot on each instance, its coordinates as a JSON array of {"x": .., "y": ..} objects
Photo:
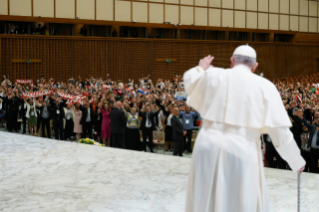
[{"x": 39, "y": 175}]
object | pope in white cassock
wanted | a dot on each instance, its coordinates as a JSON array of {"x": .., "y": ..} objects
[{"x": 236, "y": 105}]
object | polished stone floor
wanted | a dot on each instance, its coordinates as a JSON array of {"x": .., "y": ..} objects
[{"x": 47, "y": 175}]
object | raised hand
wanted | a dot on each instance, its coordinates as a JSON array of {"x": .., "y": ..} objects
[{"x": 205, "y": 63}]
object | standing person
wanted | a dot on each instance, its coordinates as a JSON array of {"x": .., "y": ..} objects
[
  {"x": 178, "y": 133},
  {"x": 297, "y": 126},
  {"x": 236, "y": 107},
  {"x": 22, "y": 114},
  {"x": 31, "y": 115},
  {"x": 168, "y": 129},
  {"x": 132, "y": 132},
  {"x": 12, "y": 110},
  {"x": 118, "y": 123},
  {"x": 77, "y": 119},
  {"x": 98, "y": 122},
  {"x": 57, "y": 113},
  {"x": 69, "y": 122},
  {"x": 313, "y": 144},
  {"x": 305, "y": 150},
  {"x": 87, "y": 120},
  {"x": 39, "y": 104},
  {"x": 45, "y": 114},
  {"x": 188, "y": 118},
  {"x": 106, "y": 124},
  {"x": 147, "y": 126}
]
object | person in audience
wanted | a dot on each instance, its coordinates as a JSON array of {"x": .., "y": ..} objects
[
  {"x": 188, "y": 118},
  {"x": 31, "y": 115},
  {"x": 22, "y": 114},
  {"x": 106, "y": 124},
  {"x": 38, "y": 103},
  {"x": 77, "y": 119},
  {"x": 12, "y": 110},
  {"x": 45, "y": 115},
  {"x": 87, "y": 120},
  {"x": 118, "y": 124},
  {"x": 58, "y": 115},
  {"x": 147, "y": 125},
  {"x": 98, "y": 122},
  {"x": 178, "y": 133},
  {"x": 305, "y": 150},
  {"x": 313, "y": 144},
  {"x": 132, "y": 133},
  {"x": 69, "y": 122}
]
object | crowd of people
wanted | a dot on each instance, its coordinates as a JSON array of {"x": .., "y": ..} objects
[
  {"x": 111, "y": 112},
  {"x": 115, "y": 112},
  {"x": 300, "y": 95}
]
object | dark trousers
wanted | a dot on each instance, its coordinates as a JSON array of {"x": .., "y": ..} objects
[
  {"x": 24, "y": 124},
  {"x": 45, "y": 124},
  {"x": 178, "y": 147},
  {"x": 270, "y": 154},
  {"x": 306, "y": 156},
  {"x": 58, "y": 128},
  {"x": 12, "y": 122},
  {"x": 188, "y": 136},
  {"x": 118, "y": 140},
  {"x": 87, "y": 130},
  {"x": 148, "y": 133},
  {"x": 39, "y": 119},
  {"x": 314, "y": 156},
  {"x": 69, "y": 128}
]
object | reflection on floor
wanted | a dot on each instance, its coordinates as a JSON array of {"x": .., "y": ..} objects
[{"x": 47, "y": 175}]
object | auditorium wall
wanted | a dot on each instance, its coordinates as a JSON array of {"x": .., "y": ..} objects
[
  {"x": 282, "y": 15},
  {"x": 64, "y": 57}
]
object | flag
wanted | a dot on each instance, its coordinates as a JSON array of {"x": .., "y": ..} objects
[
  {"x": 143, "y": 91},
  {"x": 25, "y": 81},
  {"x": 106, "y": 86}
]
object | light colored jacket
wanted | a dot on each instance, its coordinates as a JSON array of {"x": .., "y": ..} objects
[{"x": 28, "y": 106}]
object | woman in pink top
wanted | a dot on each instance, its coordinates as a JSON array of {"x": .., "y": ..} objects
[{"x": 106, "y": 124}]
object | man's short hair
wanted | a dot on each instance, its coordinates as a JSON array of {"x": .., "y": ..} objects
[{"x": 248, "y": 61}]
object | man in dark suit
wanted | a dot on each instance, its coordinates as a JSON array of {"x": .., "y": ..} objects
[
  {"x": 87, "y": 120},
  {"x": 118, "y": 125},
  {"x": 57, "y": 114},
  {"x": 313, "y": 143},
  {"x": 178, "y": 133},
  {"x": 12, "y": 110},
  {"x": 45, "y": 116},
  {"x": 147, "y": 125},
  {"x": 22, "y": 114}
]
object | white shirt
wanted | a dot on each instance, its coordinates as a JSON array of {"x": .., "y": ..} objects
[
  {"x": 88, "y": 117},
  {"x": 1, "y": 100},
  {"x": 148, "y": 122},
  {"x": 169, "y": 119}
]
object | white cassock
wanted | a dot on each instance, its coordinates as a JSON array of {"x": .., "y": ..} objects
[{"x": 236, "y": 105}]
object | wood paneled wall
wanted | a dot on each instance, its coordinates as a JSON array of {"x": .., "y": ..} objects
[{"x": 64, "y": 57}]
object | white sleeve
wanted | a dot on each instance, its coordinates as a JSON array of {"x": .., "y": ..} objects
[
  {"x": 286, "y": 146},
  {"x": 195, "y": 83}
]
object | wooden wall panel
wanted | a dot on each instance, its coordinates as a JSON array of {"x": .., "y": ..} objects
[{"x": 122, "y": 59}]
